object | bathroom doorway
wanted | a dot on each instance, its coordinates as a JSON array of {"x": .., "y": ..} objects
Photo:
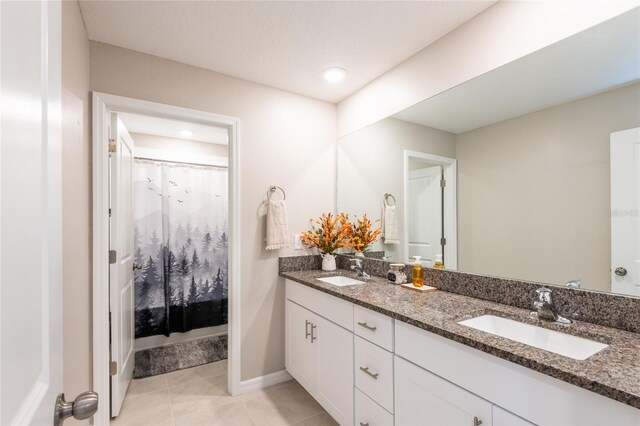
[
  {"x": 430, "y": 208},
  {"x": 165, "y": 199}
]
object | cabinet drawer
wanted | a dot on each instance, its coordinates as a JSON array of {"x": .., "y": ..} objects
[
  {"x": 374, "y": 327},
  {"x": 374, "y": 372},
  {"x": 369, "y": 413},
  {"x": 336, "y": 310}
]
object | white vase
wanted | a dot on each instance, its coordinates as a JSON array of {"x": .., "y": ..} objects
[{"x": 328, "y": 262}]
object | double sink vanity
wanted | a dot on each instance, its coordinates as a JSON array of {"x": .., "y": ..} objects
[{"x": 373, "y": 353}]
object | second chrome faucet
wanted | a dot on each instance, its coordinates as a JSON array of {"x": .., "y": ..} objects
[{"x": 545, "y": 308}]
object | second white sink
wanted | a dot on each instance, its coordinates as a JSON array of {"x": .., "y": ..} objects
[
  {"x": 553, "y": 341},
  {"x": 340, "y": 281}
]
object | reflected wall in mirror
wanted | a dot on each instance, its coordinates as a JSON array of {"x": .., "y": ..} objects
[{"x": 544, "y": 158}]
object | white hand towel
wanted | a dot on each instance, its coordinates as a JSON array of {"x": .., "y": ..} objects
[
  {"x": 277, "y": 225},
  {"x": 390, "y": 225}
]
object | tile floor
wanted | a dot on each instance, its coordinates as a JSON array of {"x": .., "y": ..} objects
[{"x": 198, "y": 396}]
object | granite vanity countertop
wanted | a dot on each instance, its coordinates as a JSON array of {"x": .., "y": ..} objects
[{"x": 613, "y": 372}]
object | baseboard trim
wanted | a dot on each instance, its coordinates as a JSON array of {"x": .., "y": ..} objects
[{"x": 262, "y": 382}]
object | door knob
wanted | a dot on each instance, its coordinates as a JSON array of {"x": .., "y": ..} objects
[
  {"x": 620, "y": 271},
  {"x": 83, "y": 407},
  {"x": 137, "y": 266}
]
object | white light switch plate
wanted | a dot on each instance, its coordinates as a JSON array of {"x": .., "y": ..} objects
[{"x": 297, "y": 242}]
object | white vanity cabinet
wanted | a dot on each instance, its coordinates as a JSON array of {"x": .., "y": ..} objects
[
  {"x": 319, "y": 352},
  {"x": 366, "y": 368}
]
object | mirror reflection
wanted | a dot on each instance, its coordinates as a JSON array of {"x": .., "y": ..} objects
[{"x": 537, "y": 181}]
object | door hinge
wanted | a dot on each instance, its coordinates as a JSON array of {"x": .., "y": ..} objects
[
  {"x": 113, "y": 256},
  {"x": 109, "y": 212},
  {"x": 113, "y": 368},
  {"x": 112, "y": 146},
  {"x": 443, "y": 241},
  {"x": 443, "y": 183}
]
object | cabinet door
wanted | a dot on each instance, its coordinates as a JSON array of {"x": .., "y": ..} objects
[
  {"x": 503, "y": 417},
  {"x": 422, "y": 398},
  {"x": 299, "y": 351},
  {"x": 334, "y": 372}
]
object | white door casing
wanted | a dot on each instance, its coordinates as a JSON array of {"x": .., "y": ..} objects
[
  {"x": 121, "y": 286},
  {"x": 102, "y": 105},
  {"x": 425, "y": 212},
  {"x": 30, "y": 212},
  {"x": 625, "y": 211}
]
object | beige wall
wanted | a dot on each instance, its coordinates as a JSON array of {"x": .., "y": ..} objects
[
  {"x": 503, "y": 33},
  {"x": 371, "y": 162},
  {"x": 184, "y": 145},
  {"x": 533, "y": 191},
  {"x": 287, "y": 140},
  {"x": 76, "y": 203}
]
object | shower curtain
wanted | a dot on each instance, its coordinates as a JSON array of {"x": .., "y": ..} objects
[{"x": 181, "y": 240}]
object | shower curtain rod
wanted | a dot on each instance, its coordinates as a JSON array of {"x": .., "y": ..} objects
[{"x": 180, "y": 162}]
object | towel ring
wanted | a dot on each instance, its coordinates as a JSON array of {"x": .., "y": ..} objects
[
  {"x": 386, "y": 199},
  {"x": 273, "y": 189}
]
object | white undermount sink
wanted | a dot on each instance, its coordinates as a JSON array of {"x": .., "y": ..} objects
[
  {"x": 340, "y": 281},
  {"x": 553, "y": 341}
]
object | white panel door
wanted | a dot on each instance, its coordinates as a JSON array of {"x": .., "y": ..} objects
[
  {"x": 334, "y": 369},
  {"x": 30, "y": 213},
  {"x": 425, "y": 212},
  {"x": 121, "y": 272},
  {"x": 625, "y": 212},
  {"x": 299, "y": 352},
  {"x": 422, "y": 398}
]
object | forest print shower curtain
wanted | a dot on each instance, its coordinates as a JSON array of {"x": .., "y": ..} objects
[{"x": 180, "y": 224}]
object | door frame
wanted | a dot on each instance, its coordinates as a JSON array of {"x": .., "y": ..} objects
[
  {"x": 101, "y": 352},
  {"x": 449, "y": 167}
]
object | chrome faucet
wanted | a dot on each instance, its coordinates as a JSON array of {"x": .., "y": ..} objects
[
  {"x": 574, "y": 283},
  {"x": 545, "y": 308},
  {"x": 357, "y": 266}
]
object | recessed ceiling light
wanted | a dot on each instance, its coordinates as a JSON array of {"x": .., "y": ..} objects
[
  {"x": 334, "y": 74},
  {"x": 186, "y": 133}
]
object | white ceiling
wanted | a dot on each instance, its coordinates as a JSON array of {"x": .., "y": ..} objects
[
  {"x": 171, "y": 128},
  {"x": 597, "y": 59},
  {"x": 282, "y": 44}
]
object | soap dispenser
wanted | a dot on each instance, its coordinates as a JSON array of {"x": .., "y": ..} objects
[
  {"x": 418, "y": 272},
  {"x": 438, "y": 264}
]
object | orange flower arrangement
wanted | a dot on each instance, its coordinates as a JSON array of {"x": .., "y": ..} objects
[
  {"x": 330, "y": 234},
  {"x": 363, "y": 235}
]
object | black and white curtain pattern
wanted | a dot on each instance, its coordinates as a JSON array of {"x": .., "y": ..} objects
[{"x": 181, "y": 241}]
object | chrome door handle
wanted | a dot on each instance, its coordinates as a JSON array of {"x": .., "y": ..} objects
[
  {"x": 367, "y": 326},
  {"x": 477, "y": 421},
  {"x": 137, "y": 266},
  {"x": 83, "y": 407},
  {"x": 369, "y": 373},
  {"x": 620, "y": 271},
  {"x": 306, "y": 329},
  {"x": 313, "y": 327}
]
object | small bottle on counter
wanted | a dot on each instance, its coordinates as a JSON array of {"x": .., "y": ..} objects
[
  {"x": 438, "y": 264},
  {"x": 396, "y": 273},
  {"x": 418, "y": 272}
]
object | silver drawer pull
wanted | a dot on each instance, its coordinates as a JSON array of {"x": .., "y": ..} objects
[
  {"x": 366, "y": 370},
  {"x": 313, "y": 337},
  {"x": 306, "y": 329},
  {"x": 367, "y": 326},
  {"x": 364, "y": 424},
  {"x": 477, "y": 421}
]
